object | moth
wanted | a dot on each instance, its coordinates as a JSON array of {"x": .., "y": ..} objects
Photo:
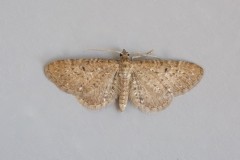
[{"x": 150, "y": 84}]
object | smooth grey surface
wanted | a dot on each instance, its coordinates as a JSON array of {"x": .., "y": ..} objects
[{"x": 38, "y": 121}]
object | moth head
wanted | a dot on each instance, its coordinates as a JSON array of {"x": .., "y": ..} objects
[{"x": 124, "y": 54}]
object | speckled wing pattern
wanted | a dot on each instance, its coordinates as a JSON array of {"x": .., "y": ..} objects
[
  {"x": 155, "y": 82},
  {"x": 93, "y": 81},
  {"x": 150, "y": 84}
]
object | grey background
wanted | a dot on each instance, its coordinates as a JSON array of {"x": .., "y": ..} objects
[{"x": 38, "y": 121}]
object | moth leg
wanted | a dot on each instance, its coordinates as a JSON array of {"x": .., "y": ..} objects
[{"x": 144, "y": 54}]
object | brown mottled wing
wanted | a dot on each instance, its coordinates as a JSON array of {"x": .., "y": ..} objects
[
  {"x": 155, "y": 82},
  {"x": 92, "y": 81}
]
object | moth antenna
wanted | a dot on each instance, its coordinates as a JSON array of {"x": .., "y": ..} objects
[{"x": 105, "y": 50}]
